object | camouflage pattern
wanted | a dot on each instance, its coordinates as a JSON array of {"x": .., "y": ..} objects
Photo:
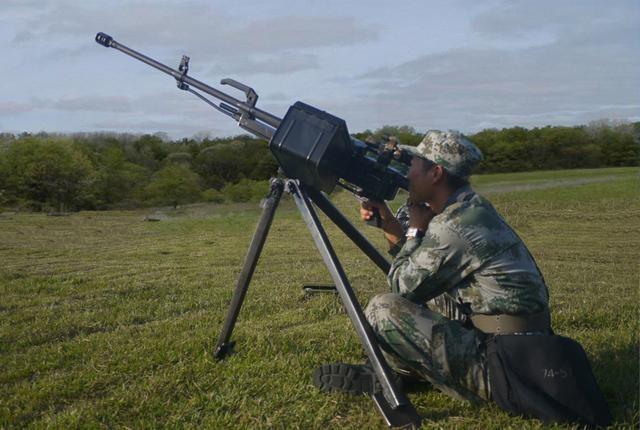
[
  {"x": 469, "y": 262},
  {"x": 402, "y": 215},
  {"x": 472, "y": 254},
  {"x": 451, "y": 149},
  {"x": 424, "y": 344},
  {"x": 442, "y": 303}
]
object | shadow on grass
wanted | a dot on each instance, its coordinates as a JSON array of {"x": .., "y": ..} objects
[{"x": 617, "y": 373}]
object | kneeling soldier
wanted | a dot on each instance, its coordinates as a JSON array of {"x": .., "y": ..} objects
[{"x": 460, "y": 273}]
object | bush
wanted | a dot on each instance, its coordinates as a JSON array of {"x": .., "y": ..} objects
[
  {"x": 246, "y": 190},
  {"x": 212, "y": 195},
  {"x": 175, "y": 184},
  {"x": 98, "y": 170},
  {"x": 118, "y": 181},
  {"x": 179, "y": 158},
  {"x": 48, "y": 173}
]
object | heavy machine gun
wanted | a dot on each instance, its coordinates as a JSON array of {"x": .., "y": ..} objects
[
  {"x": 310, "y": 145},
  {"x": 316, "y": 153}
]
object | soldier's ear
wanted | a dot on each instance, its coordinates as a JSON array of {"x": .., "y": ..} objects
[{"x": 438, "y": 173}]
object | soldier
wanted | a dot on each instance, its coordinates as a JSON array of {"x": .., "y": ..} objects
[{"x": 460, "y": 274}]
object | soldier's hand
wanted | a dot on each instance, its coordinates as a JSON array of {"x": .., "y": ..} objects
[
  {"x": 390, "y": 225},
  {"x": 420, "y": 215},
  {"x": 367, "y": 207}
]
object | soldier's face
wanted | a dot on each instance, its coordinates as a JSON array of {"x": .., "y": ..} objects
[{"x": 420, "y": 178}]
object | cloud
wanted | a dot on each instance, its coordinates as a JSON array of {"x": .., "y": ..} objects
[
  {"x": 21, "y": 4},
  {"x": 174, "y": 127},
  {"x": 277, "y": 96},
  {"x": 521, "y": 18},
  {"x": 284, "y": 63},
  {"x": 577, "y": 75},
  {"x": 13, "y": 107},
  {"x": 514, "y": 62},
  {"x": 219, "y": 40},
  {"x": 93, "y": 103},
  {"x": 84, "y": 103},
  {"x": 291, "y": 32},
  {"x": 23, "y": 36},
  {"x": 201, "y": 26}
]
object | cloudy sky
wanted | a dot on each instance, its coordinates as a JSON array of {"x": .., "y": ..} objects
[{"x": 457, "y": 64}]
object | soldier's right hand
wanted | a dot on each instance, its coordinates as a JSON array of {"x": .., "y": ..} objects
[
  {"x": 390, "y": 225},
  {"x": 367, "y": 207}
]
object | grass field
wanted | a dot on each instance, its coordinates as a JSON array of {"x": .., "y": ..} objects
[{"x": 107, "y": 321}]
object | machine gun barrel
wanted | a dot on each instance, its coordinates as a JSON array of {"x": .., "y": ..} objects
[{"x": 242, "y": 107}]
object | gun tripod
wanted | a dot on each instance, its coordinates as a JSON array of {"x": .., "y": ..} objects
[{"x": 392, "y": 403}]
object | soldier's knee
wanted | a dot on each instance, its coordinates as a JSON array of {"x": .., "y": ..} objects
[
  {"x": 383, "y": 307},
  {"x": 379, "y": 302}
]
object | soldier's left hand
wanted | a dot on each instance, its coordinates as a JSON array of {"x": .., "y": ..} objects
[{"x": 420, "y": 215}]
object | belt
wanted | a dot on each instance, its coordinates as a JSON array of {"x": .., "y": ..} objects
[{"x": 505, "y": 324}]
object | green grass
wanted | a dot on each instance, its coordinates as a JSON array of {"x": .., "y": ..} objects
[{"x": 109, "y": 321}]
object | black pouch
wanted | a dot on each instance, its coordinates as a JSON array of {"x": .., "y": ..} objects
[{"x": 546, "y": 377}]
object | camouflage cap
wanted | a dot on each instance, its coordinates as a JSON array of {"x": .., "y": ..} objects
[{"x": 451, "y": 149}]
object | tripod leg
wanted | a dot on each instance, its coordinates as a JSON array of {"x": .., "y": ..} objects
[
  {"x": 224, "y": 347},
  {"x": 347, "y": 228},
  {"x": 393, "y": 404}
]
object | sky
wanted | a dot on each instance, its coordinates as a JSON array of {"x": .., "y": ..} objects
[{"x": 456, "y": 64}]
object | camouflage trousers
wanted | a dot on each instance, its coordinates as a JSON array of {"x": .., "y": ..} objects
[{"x": 423, "y": 343}]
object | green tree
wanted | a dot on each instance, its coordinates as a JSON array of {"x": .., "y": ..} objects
[
  {"x": 619, "y": 143},
  {"x": 222, "y": 161},
  {"x": 406, "y": 134},
  {"x": 48, "y": 173},
  {"x": 148, "y": 151},
  {"x": 246, "y": 190},
  {"x": 264, "y": 168},
  {"x": 179, "y": 158},
  {"x": 118, "y": 180},
  {"x": 175, "y": 184}
]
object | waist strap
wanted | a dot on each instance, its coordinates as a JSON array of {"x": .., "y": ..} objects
[{"x": 505, "y": 324}]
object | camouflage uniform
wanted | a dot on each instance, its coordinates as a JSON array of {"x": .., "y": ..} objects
[{"x": 469, "y": 262}]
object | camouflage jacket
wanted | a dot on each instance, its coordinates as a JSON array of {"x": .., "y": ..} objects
[{"x": 470, "y": 255}]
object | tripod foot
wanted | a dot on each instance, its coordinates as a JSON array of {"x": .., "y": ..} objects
[
  {"x": 403, "y": 417},
  {"x": 223, "y": 350}
]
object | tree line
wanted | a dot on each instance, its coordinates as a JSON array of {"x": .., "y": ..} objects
[{"x": 52, "y": 172}]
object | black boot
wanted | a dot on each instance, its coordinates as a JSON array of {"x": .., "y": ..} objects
[{"x": 348, "y": 378}]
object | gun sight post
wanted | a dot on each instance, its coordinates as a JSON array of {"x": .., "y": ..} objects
[
  {"x": 252, "y": 96},
  {"x": 184, "y": 68}
]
